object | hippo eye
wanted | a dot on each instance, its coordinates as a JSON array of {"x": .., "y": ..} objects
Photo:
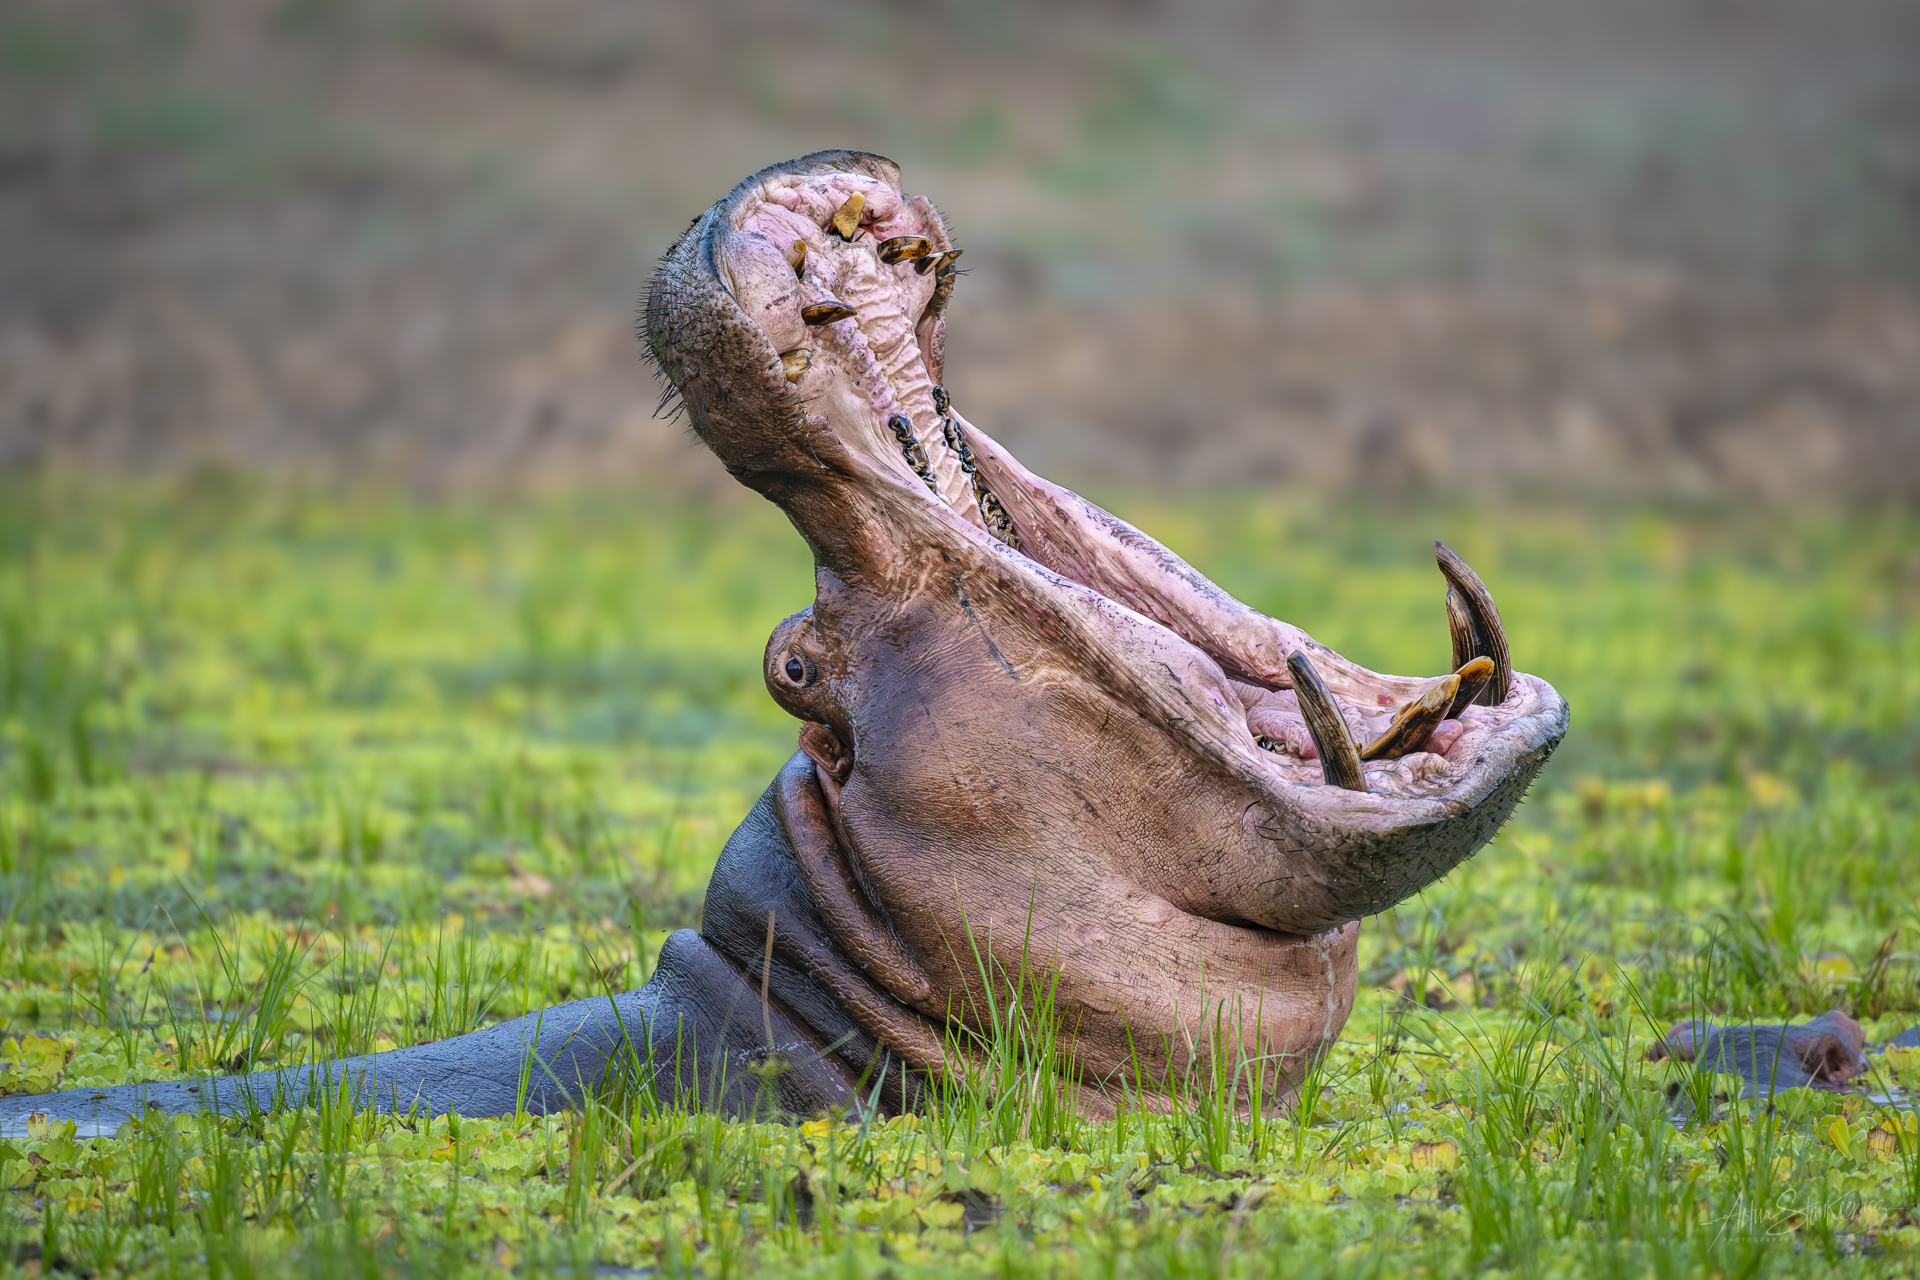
[{"x": 798, "y": 669}]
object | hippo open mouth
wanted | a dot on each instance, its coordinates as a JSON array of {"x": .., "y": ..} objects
[
  {"x": 1028, "y": 719},
  {"x": 1036, "y": 742}
]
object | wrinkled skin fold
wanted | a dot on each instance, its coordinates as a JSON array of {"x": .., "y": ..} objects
[{"x": 1039, "y": 751}]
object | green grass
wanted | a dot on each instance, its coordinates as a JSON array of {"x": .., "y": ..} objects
[{"x": 285, "y": 776}]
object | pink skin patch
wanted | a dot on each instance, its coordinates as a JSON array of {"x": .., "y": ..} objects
[{"x": 1445, "y": 734}]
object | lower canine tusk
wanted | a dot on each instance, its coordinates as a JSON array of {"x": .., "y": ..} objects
[
  {"x": 1478, "y": 602},
  {"x": 1339, "y": 758}
]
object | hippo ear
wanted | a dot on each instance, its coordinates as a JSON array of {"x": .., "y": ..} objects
[
  {"x": 1826, "y": 1060},
  {"x": 1677, "y": 1044},
  {"x": 827, "y": 752}
]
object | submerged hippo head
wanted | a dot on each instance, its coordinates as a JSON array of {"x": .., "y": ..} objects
[{"x": 1040, "y": 737}]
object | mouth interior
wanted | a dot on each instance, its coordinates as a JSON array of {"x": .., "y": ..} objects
[{"x": 848, "y": 279}]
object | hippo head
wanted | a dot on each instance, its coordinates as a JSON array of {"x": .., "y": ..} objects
[{"x": 1039, "y": 737}]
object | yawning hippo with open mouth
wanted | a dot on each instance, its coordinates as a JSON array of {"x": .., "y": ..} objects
[{"x": 1040, "y": 752}]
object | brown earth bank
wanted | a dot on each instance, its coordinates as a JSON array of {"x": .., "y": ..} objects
[{"x": 1622, "y": 248}]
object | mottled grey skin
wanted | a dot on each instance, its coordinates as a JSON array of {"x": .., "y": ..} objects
[{"x": 1029, "y": 745}]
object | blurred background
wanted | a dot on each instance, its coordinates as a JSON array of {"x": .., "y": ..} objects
[
  {"x": 347, "y": 576},
  {"x": 1620, "y": 248}
]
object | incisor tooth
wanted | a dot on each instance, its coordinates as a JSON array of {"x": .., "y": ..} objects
[
  {"x": 796, "y": 362},
  {"x": 797, "y": 256},
  {"x": 941, "y": 264},
  {"x": 1414, "y": 723},
  {"x": 1339, "y": 759},
  {"x": 846, "y": 219},
  {"x": 825, "y": 311},
  {"x": 1474, "y": 676},
  {"x": 904, "y": 249}
]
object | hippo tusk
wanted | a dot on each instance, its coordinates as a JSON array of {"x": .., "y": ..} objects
[
  {"x": 1339, "y": 759},
  {"x": 1414, "y": 723},
  {"x": 1490, "y": 635},
  {"x": 1474, "y": 677}
]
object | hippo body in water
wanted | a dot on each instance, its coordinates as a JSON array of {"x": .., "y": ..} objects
[{"x": 1039, "y": 753}]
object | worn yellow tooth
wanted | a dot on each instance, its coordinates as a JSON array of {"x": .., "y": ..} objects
[
  {"x": 1478, "y": 603},
  {"x": 825, "y": 311},
  {"x": 1414, "y": 723},
  {"x": 797, "y": 256},
  {"x": 941, "y": 264},
  {"x": 796, "y": 362},
  {"x": 904, "y": 249},
  {"x": 1474, "y": 676},
  {"x": 846, "y": 219},
  {"x": 1339, "y": 759}
]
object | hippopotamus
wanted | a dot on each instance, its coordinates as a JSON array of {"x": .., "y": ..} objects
[{"x": 1048, "y": 774}]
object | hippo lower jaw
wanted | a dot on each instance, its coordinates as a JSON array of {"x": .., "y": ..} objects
[{"x": 1039, "y": 752}]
